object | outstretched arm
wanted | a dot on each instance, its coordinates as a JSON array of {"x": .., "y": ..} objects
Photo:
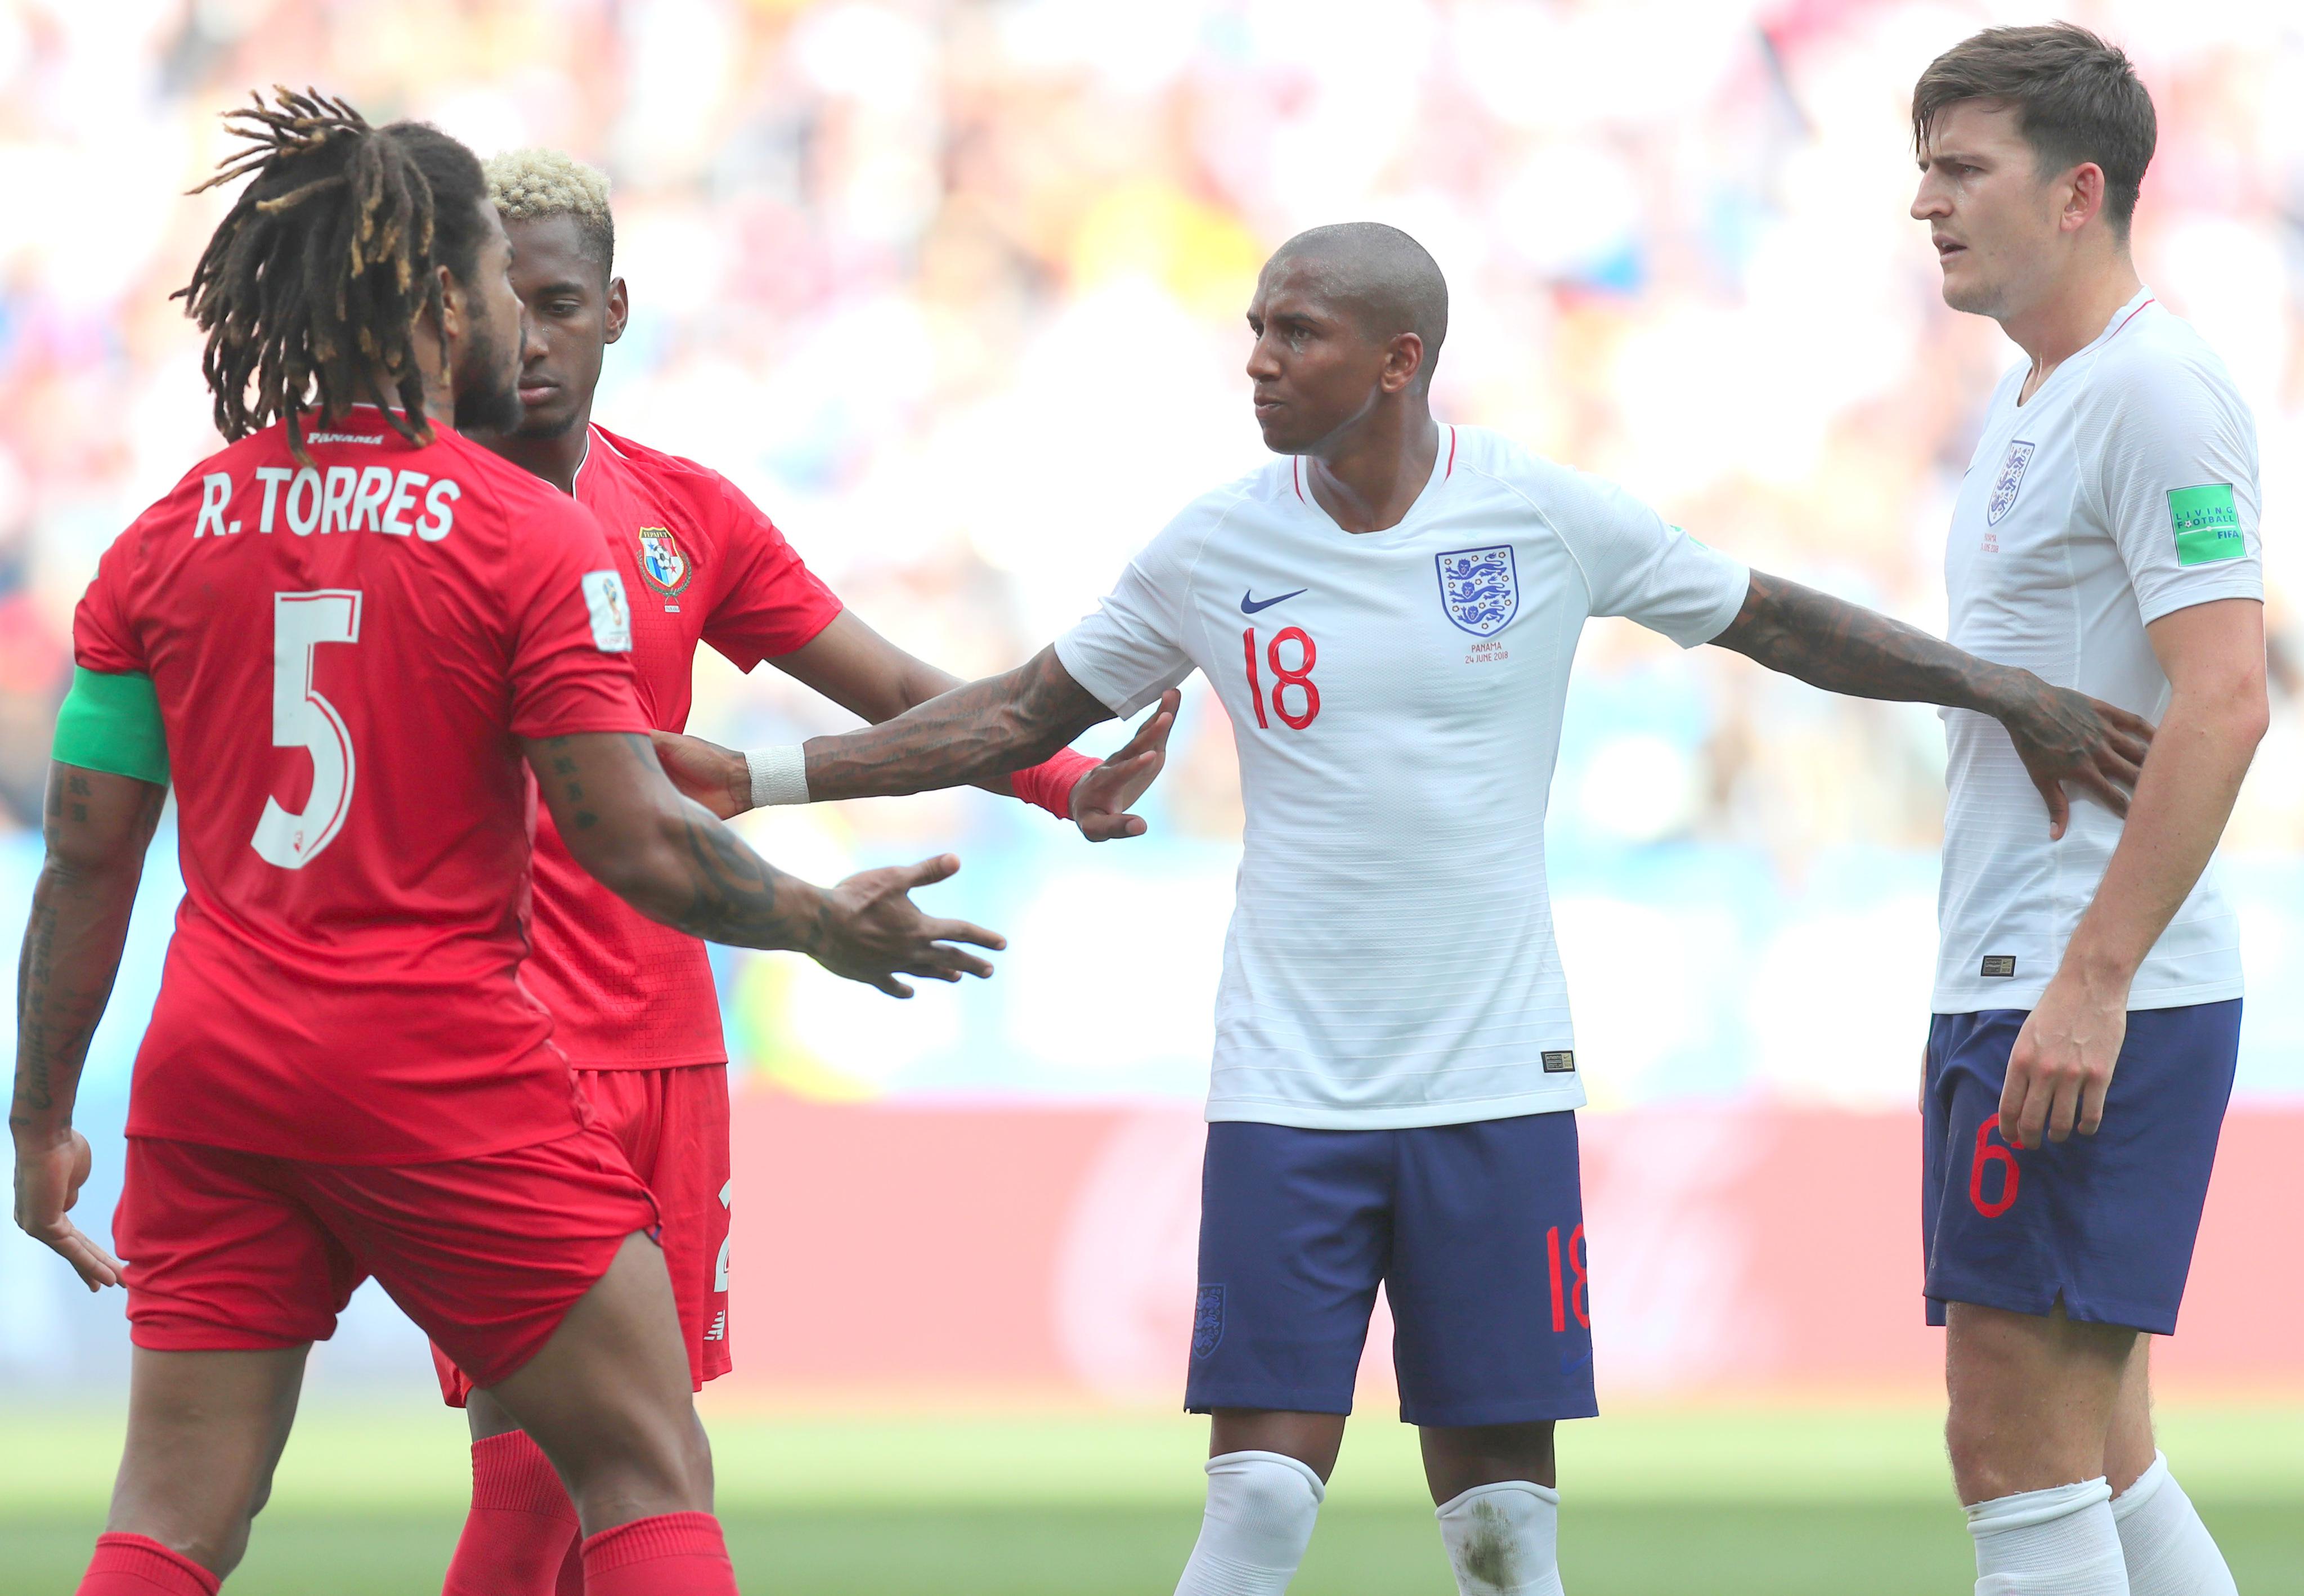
[
  {"x": 871, "y": 677},
  {"x": 971, "y": 734},
  {"x": 97, "y": 825},
  {"x": 675, "y": 863},
  {"x": 2065, "y": 739}
]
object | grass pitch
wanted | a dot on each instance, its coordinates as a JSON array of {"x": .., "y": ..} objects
[{"x": 1809, "y": 1502}]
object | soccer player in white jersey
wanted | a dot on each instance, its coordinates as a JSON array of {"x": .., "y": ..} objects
[
  {"x": 1388, "y": 612},
  {"x": 2106, "y": 537}
]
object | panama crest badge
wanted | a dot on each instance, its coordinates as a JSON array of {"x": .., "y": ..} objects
[
  {"x": 1479, "y": 588},
  {"x": 2009, "y": 483},
  {"x": 664, "y": 563}
]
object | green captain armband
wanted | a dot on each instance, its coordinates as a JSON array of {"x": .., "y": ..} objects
[{"x": 112, "y": 722}]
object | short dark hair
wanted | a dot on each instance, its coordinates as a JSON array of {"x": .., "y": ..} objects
[
  {"x": 2075, "y": 98},
  {"x": 308, "y": 288},
  {"x": 1390, "y": 282}
]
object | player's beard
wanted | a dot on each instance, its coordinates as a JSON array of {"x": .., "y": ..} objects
[{"x": 488, "y": 386}]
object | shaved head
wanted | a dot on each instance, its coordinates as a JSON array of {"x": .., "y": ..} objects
[{"x": 1387, "y": 282}]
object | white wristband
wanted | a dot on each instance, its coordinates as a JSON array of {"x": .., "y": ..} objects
[{"x": 779, "y": 775}]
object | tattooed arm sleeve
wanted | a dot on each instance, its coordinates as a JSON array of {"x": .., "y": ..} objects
[
  {"x": 665, "y": 854},
  {"x": 97, "y": 825},
  {"x": 2068, "y": 740},
  {"x": 972, "y": 734}
]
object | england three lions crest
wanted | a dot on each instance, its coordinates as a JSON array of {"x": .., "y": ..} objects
[
  {"x": 663, "y": 562},
  {"x": 1479, "y": 588},
  {"x": 2009, "y": 483}
]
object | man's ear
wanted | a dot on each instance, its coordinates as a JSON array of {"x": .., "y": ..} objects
[
  {"x": 1403, "y": 358},
  {"x": 452, "y": 304},
  {"x": 619, "y": 308},
  {"x": 2083, "y": 196}
]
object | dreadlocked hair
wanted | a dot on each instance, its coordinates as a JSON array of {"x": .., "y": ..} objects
[{"x": 311, "y": 287}]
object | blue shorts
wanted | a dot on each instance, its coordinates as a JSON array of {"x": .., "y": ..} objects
[
  {"x": 1476, "y": 1232},
  {"x": 2104, "y": 1223}
]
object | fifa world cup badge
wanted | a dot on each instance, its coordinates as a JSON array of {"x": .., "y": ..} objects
[
  {"x": 2009, "y": 483},
  {"x": 663, "y": 564}
]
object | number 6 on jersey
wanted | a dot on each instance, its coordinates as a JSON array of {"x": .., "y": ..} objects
[{"x": 301, "y": 718}]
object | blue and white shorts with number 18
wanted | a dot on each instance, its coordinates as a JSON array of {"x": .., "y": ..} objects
[
  {"x": 2104, "y": 1223},
  {"x": 1476, "y": 1231}
]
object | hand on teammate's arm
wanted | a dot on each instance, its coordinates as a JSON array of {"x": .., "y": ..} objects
[
  {"x": 2061, "y": 1065},
  {"x": 2068, "y": 742},
  {"x": 675, "y": 863},
  {"x": 97, "y": 825}
]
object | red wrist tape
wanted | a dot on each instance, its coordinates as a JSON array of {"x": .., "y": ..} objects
[{"x": 1049, "y": 785}]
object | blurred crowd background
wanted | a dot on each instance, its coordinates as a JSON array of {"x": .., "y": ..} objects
[{"x": 954, "y": 289}]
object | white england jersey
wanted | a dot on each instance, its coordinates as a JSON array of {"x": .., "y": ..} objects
[
  {"x": 1395, "y": 697},
  {"x": 2124, "y": 490}
]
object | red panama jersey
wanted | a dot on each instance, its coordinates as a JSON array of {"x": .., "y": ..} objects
[
  {"x": 344, "y": 654},
  {"x": 702, "y": 565}
]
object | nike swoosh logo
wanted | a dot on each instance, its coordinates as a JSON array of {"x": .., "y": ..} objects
[
  {"x": 1249, "y": 606},
  {"x": 1568, "y": 1368}
]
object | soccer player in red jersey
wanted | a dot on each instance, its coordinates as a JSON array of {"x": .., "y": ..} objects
[
  {"x": 341, "y": 639},
  {"x": 634, "y": 1000}
]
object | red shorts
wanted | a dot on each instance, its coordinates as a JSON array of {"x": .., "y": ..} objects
[
  {"x": 234, "y": 1251},
  {"x": 672, "y": 1126}
]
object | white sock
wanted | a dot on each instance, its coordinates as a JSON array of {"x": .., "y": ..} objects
[
  {"x": 1261, "y": 1506},
  {"x": 1503, "y": 1539},
  {"x": 2169, "y": 1550},
  {"x": 2059, "y": 1542}
]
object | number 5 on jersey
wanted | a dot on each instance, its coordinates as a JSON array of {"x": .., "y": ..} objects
[
  {"x": 1284, "y": 678},
  {"x": 301, "y": 718}
]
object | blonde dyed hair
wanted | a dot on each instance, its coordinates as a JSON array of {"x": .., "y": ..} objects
[{"x": 529, "y": 185}]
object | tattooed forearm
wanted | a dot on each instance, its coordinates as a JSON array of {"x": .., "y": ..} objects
[
  {"x": 1844, "y": 648},
  {"x": 2070, "y": 744},
  {"x": 739, "y": 898},
  {"x": 971, "y": 734},
  {"x": 97, "y": 827},
  {"x": 666, "y": 856}
]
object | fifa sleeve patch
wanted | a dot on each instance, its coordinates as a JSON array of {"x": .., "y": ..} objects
[
  {"x": 612, "y": 617},
  {"x": 2206, "y": 524},
  {"x": 112, "y": 722}
]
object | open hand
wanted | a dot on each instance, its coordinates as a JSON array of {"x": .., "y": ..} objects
[
  {"x": 717, "y": 777},
  {"x": 1101, "y": 798},
  {"x": 2071, "y": 743},
  {"x": 2061, "y": 1068},
  {"x": 874, "y": 932},
  {"x": 48, "y": 1179}
]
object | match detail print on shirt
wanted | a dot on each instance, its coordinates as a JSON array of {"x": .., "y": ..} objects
[
  {"x": 1998, "y": 966},
  {"x": 2206, "y": 524}
]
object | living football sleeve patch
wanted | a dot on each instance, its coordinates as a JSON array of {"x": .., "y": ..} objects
[
  {"x": 612, "y": 617},
  {"x": 2206, "y": 524}
]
